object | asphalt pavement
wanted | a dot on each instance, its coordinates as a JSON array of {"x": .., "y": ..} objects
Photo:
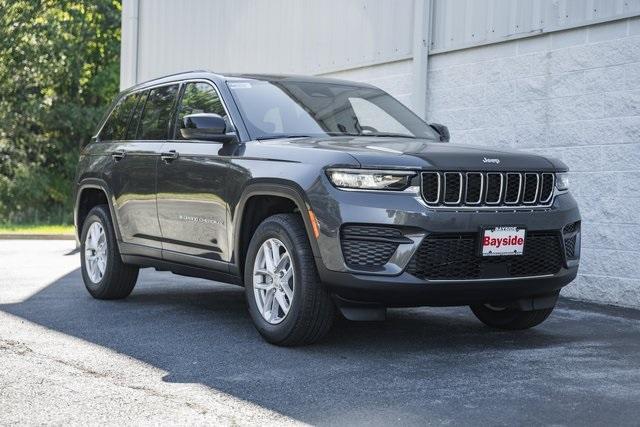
[{"x": 183, "y": 351}]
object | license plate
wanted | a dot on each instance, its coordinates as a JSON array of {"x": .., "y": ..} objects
[{"x": 501, "y": 241}]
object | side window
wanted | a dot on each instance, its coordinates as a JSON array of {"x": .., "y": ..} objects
[
  {"x": 200, "y": 98},
  {"x": 156, "y": 115},
  {"x": 115, "y": 128},
  {"x": 132, "y": 130}
]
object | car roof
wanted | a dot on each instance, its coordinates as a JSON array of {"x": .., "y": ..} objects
[
  {"x": 205, "y": 74},
  {"x": 293, "y": 78}
]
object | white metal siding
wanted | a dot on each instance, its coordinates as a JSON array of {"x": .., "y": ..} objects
[
  {"x": 459, "y": 24},
  {"x": 280, "y": 36}
]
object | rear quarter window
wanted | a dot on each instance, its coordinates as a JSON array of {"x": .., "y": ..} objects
[
  {"x": 115, "y": 128},
  {"x": 132, "y": 130}
]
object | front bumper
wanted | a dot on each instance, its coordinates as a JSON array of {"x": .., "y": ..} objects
[
  {"x": 391, "y": 284},
  {"x": 406, "y": 290}
]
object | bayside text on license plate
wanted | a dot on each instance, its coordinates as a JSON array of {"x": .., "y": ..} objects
[{"x": 503, "y": 241}]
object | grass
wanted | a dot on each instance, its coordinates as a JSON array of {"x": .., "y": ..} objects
[{"x": 36, "y": 229}]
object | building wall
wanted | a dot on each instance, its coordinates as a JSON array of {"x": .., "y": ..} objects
[{"x": 574, "y": 95}]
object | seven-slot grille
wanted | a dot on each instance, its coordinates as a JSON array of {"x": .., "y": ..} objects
[{"x": 490, "y": 189}]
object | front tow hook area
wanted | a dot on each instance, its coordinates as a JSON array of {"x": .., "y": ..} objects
[
  {"x": 360, "y": 312},
  {"x": 537, "y": 302}
]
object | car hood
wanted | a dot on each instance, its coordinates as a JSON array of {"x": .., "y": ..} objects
[{"x": 376, "y": 152}]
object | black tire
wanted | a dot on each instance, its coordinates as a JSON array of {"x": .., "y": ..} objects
[
  {"x": 119, "y": 278},
  {"x": 510, "y": 319},
  {"x": 312, "y": 310}
]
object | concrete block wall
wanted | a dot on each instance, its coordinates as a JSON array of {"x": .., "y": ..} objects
[{"x": 574, "y": 95}]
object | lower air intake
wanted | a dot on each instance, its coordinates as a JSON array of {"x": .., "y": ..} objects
[
  {"x": 369, "y": 247},
  {"x": 456, "y": 257},
  {"x": 571, "y": 237}
]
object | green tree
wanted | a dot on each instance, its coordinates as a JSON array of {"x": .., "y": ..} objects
[{"x": 59, "y": 69}]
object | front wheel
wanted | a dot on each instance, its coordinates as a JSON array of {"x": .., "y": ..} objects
[
  {"x": 288, "y": 304},
  {"x": 508, "y": 318}
]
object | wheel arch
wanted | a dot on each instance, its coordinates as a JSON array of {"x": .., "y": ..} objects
[
  {"x": 85, "y": 200},
  {"x": 275, "y": 188}
]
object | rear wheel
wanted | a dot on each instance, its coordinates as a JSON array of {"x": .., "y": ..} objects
[
  {"x": 105, "y": 275},
  {"x": 509, "y": 318},
  {"x": 288, "y": 304}
]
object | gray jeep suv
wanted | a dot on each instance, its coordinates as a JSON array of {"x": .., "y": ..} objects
[{"x": 318, "y": 196}]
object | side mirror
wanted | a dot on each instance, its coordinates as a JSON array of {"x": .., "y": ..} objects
[
  {"x": 204, "y": 126},
  {"x": 442, "y": 130}
]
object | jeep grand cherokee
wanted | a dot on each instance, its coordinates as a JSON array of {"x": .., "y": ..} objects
[{"x": 318, "y": 196}]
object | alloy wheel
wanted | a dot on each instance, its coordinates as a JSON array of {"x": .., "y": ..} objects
[
  {"x": 95, "y": 252},
  {"x": 273, "y": 279}
]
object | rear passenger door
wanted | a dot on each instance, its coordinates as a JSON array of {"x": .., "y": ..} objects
[
  {"x": 192, "y": 206},
  {"x": 135, "y": 162}
]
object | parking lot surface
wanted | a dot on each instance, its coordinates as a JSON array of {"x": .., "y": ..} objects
[{"x": 184, "y": 350}]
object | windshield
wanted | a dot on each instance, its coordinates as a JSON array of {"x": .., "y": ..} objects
[{"x": 273, "y": 109}]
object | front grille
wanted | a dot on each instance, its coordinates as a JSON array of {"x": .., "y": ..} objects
[
  {"x": 453, "y": 188},
  {"x": 456, "y": 257},
  {"x": 473, "y": 192},
  {"x": 513, "y": 188},
  {"x": 491, "y": 189},
  {"x": 367, "y": 247}
]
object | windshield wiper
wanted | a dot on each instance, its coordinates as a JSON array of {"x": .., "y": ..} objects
[
  {"x": 390, "y": 135},
  {"x": 284, "y": 136},
  {"x": 379, "y": 135}
]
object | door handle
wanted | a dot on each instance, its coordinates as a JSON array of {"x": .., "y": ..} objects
[
  {"x": 169, "y": 156},
  {"x": 118, "y": 155}
]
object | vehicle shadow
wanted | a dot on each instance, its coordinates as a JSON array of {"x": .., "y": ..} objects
[{"x": 421, "y": 364}]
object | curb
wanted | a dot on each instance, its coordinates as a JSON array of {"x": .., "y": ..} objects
[{"x": 18, "y": 236}]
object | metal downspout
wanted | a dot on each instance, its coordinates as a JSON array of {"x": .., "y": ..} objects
[
  {"x": 129, "y": 43},
  {"x": 421, "y": 40}
]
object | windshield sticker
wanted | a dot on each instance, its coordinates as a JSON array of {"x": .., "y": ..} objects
[{"x": 239, "y": 85}]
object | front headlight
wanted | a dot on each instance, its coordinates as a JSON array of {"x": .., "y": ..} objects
[
  {"x": 362, "y": 179},
  {"x": 562, "y": 181}
]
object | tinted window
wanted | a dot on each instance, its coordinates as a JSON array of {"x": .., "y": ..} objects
[
  {"x": 116, "y": 126},
  {"x": 199, "y": 98},
  {"x": 157, "y": 113},
  {"x": 132, "y": 130}
]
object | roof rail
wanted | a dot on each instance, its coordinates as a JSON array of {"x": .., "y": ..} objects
[{"x": 169, "y": 75}]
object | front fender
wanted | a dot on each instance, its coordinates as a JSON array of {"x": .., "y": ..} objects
[{"x": 270, "y": 187}]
